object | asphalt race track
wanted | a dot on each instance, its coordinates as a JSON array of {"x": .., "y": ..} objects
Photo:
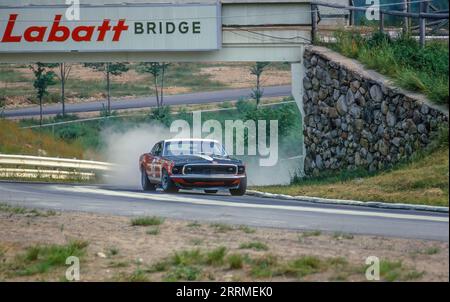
[
  {"x": 147, "y": 102},
  {"x": 252, "y": 211}
]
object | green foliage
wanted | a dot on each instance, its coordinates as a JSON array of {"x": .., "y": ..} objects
[
  {"x": 194, "y": 224},
  {"x": 153, "y": 68},
  {"x": 391, "y": 270},
  {"x": 341, "y": 235},
  {"x": 146, "y": 221},
  {"x": 216, "y": 256},
  {"x": 257, "y": 71},
  {"x": 221, "y": 227},
  {"x": 41, "y": 259},
  {"x": 184, "y": 273},
  {"x": 137, "y": 275},
  {"x": 432, "y": 250},
  {"x": 162, "y": 115},
  {"x": 153, "y": 231},
  {"x": 187, "y": 257},
  {"x": 412, "y": 67},
  {"x": 255, "y": 245},
  {"x": 311, "y": 233},
  {"x": 43, "y": 78},
  {"x": 25, "y": 211},
  {"x": 113, "y": 251},
  {"x": 303, "y": 266},
  {"x": 263, "y": 267},
  {"x": 235, "y": 261},
  {"x": 157, "y": 70},
  {"x": 114, "y": 69},
  {"x": 247, "y": 229}
]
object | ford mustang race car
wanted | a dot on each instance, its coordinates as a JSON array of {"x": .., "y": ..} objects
[{"x": 192, "y": 164}]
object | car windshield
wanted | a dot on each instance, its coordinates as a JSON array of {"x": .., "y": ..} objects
[{"x": 194, "y": 148}]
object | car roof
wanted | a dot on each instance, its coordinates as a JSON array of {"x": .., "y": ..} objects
[{"x": 191, "y": 140}]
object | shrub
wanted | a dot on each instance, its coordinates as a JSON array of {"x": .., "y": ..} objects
[
  {"x": 146, "y": 221},
  {"x": 256, "y": 245},
  {"x": 216, "y": 256},
  {"x": 235, "y": 261}
]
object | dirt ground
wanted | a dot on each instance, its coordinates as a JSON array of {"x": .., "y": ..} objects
[
  {"x": 240, "y": 77},
  {"x": 135, "y": 248},
  {"x": 230, "y": 75}
]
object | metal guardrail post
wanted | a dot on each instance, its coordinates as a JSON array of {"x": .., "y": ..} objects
[
  {"x": 422, "y": 23},
  {"x": 381, "y": 22},
  {"x": 352, "y": 14},
  {"x": 314, "y": 23},
  {"x": 406, "y": 19}
]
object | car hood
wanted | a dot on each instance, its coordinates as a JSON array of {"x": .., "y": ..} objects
[{"x": 202, "y": 159}]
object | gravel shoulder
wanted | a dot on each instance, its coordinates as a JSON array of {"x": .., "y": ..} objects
[{"x": 119, "y": 251}]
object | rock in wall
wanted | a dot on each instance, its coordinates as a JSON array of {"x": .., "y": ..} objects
[{"x": 356, "y": 118}]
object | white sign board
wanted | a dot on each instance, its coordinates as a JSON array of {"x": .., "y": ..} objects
[{"x": 126, "y": 28}]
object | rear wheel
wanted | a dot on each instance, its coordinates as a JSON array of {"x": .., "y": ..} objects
[
  {"x": 145, "y": 182},
  {"x": 211, "y": 191},
  {"x": 239, "y": 191},
  {"x": 167, "y": 184}
]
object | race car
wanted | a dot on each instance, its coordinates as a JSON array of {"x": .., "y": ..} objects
[{"x": 203, "y": 164}]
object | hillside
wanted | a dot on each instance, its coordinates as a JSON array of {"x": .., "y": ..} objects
[{"x": 14, "y": 140}]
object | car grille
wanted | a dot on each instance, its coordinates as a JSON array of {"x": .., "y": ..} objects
[{"x": 210, "y": 169}]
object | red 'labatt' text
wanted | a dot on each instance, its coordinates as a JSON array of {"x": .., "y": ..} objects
[{"x": 61, "y": 33}]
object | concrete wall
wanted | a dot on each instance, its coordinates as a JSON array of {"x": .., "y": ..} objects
[{"x": 356, "y": 118}]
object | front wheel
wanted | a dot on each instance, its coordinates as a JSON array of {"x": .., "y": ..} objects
[
  {"x": 145, "y": 182},
  {"x": 239, "y": 191},
  {"x": 167, "y": 184}
]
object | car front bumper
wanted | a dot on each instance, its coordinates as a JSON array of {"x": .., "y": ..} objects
[{"x": 205, "y": 181}]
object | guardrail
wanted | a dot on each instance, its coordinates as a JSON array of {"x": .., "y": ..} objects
[{"x": 26, "y": 166}]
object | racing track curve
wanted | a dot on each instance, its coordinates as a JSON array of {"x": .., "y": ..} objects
[{"x": 252, "y": 211}]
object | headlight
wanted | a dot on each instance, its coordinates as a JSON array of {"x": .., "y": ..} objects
[
  {"x": 177, "y": 170},
  {"x": 241, "y": 169}
]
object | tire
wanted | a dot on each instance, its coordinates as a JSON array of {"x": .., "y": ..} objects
[
  {"x": 240, "y": 191},
  {"x": 145, "y": 182},
  {"x": 167, "y": 184},
  {"x": 211, "y": 191}
]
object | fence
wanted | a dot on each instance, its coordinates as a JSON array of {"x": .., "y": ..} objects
[{"x": 422, "y": 15}]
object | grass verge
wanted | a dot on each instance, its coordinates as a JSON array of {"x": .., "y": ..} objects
[{"x": 424, "y": 181}]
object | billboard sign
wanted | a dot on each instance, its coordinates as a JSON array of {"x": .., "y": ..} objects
[{"x": 125, "y": 28}]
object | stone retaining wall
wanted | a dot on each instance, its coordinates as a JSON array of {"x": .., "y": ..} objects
[{"x": 355, "y": 118}]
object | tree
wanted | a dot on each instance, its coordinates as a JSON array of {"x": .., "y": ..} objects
[
  {"x": 257, "y": 71},
  {"x": 64, "y": 72},
  {"x": 109, "y": 69},
  {"x": 157, "y": 70},
  {"x": 44, "y": 77},
  {"x": 163, "y": 74}
]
